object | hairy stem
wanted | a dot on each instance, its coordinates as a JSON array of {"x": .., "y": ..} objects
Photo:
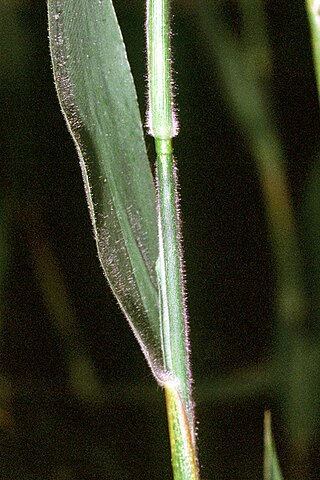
[{"x": 163, "y": 126}]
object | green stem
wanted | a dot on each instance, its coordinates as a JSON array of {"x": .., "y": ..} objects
[
  {"x": 171, "y": 278},
  {"x": 163, "y": 126},
  {"x": 184, "y": 461},
  {"x": 161, "y": 117}
]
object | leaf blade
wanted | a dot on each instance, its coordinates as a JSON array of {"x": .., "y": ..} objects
[
  {"x": 271, "y": 464},
  {"x": 98, "y": 99}
]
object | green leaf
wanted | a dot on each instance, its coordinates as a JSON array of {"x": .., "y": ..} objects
[
  {"x": 271, "y": 465},
  {"x": 98, "y": 99},
  {"x": 313, "y": 12}
]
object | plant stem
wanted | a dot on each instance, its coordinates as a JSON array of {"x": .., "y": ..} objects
[
  {"x": 161, "y": 119},
  {"x": 170, "y": 271},
  {"x": 184, "y": 461},
  {"x": 163, "y": 126}
]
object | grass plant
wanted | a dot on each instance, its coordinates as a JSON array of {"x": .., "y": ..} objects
[
  {"x": 135, "y": 215},
  {"x": 143, "y": 264},
  {"x": 151, "y": 258}
]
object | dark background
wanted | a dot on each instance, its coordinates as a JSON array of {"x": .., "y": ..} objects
[{"x": 51, "y": 429}]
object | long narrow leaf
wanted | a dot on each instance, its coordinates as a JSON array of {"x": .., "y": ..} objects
[
  {"x": 98, "y": 99},
  {"x": 313, "y": 11},
  {"x": 271, "y": 465}
]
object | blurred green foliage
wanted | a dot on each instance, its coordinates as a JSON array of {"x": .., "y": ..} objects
[{"x": 76, "y": 398}]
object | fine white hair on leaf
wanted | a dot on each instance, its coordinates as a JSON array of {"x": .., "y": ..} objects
[{"x": 106, "y": 128}]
